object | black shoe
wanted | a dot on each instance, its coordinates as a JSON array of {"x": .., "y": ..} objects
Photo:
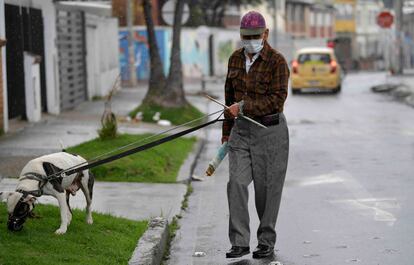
[
  {"x": 237, "y": 252},
  {"x": 262, "y": 251}
]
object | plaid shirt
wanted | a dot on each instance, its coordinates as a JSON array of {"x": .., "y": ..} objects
[{"x": 263, "y": 89}]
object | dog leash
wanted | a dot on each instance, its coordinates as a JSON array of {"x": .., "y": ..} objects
[
  {"x": 240, "y": 114},
  {"x": 97, "y": 162}
]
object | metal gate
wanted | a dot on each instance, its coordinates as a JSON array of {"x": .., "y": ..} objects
[
  {"x": 71, "y": 51},
  {"x": 16, "y": 98},
  {"x": 24, "y": 32},
  {"x": 35, "y": 43}
]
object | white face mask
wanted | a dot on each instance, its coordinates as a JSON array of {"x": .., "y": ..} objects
[{"x": 253, "y": 46}]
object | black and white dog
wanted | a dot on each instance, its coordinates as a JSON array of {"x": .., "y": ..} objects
[{"x": 33, "y": 183}]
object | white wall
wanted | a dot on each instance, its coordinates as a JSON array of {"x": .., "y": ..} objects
[
  {"x": 368, "y": 32},
  {"x": 51, "y": 57},
  {"x": 225, "y": 43},
  {"x": 32, "y": 87},
  {"x": 4, "y": 70},
  {"x": 102, "y": 54}
]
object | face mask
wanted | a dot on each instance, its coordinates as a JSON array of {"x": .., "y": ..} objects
[{"x": 253, "y": 46}]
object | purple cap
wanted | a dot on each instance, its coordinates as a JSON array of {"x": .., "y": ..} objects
[{"x": 252, "y": 23}]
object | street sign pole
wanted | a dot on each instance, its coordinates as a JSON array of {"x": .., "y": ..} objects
[
  {"x": 385, "y": 20},
  {"x": 131, "y": 51},
  {"x": 275, "y": 23},
  {"x": 398, "y": 5}
]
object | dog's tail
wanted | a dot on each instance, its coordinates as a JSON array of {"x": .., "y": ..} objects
[{"x": 62, "y": 145}]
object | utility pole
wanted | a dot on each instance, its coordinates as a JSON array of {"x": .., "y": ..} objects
[
  {"x": 398, "y": 8},
  {"x": 131, "y": 51},
  {"x": 275, "y": 23}
]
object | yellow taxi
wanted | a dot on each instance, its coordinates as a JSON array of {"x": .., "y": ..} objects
[{"x": 315, "y": 69}]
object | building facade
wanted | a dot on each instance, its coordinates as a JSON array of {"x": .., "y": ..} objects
[
  {"x": 3, "y": 84},
  {"x": 345, "y": 31},
  {"x": 2, "y": 123},
  {"x": 368, "y": 34},
  {"x": 408, "y": 28},
  {"x": 30, "y": 28},
  {"x": 55, "y": 36},
  {"x": 309, "y": 19}
]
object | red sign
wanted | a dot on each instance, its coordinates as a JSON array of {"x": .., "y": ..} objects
[{"x": 385, "y": 19}]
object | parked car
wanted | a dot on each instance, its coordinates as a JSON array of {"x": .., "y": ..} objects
[{"x": 316, "y": 69}]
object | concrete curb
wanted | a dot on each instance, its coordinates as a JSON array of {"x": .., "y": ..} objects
[
  {"x": 151, "y": 246},
  {"x": 186, "y": 170},
  {"x": 400, "y": 92}
]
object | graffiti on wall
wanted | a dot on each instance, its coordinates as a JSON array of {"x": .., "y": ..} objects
[
  {"x": 194, "y": 54},
  {"x": 141, "y": 48},
  {"x": 225, "y": 43},
  {"x": 195, "y": 51}
]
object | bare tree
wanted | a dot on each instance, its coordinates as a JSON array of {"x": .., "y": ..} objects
[
  {"x": 170, "y": 92},
  {"x": 212, "y": 12},
  {"x": 174, "y": 89},
  {"x": 157, "y": 78},
  {"x": 161, "y": 92}
]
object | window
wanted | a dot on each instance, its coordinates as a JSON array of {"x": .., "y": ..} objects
[
  {"x": 313, "y": 19},
  {"x": 289, "y": 12},
  {"x": 328, "y": 19},
  {"x": 358, "y": 17},
  {"x": 314, "y": 57},
  {"x": 298, "y": 13},
  {"x": 319, "y": 20}
]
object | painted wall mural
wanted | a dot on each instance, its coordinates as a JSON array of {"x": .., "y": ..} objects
[
  {"x": 194, "y": 51},
  {"x": 141, "y": 48}
]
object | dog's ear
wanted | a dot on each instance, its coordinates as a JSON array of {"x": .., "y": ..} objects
[
  {"x": 4, "y": 195},
  {"x": 50, "y": 168}
]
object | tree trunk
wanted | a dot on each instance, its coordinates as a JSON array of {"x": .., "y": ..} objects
[
  {"x": 174, "y": 89},
  {"x": 131, "y": 58},
  {"x": 157, "y": 80},
  {"x": 220, "y": 16}
]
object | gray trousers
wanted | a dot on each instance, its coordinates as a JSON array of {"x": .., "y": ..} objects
[{"x": 260, "y": 155}]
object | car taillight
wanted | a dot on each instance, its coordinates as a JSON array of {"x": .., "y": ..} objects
[
  {"x": 295, "y": 66},
  {"x": 333, "y": 66}
]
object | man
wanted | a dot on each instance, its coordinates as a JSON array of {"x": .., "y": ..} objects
[{"x": 256, "y": 86}]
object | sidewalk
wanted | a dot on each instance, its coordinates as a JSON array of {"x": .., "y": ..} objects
[
  {"x": 74, "y": 127},
  {"x": 131, "y": 200},
  {"x": 204, "y": 226},
  {"x": 400, "y": 87},
  {"x": 71, "y": 128},
  {"x": 135, "y": 201}
]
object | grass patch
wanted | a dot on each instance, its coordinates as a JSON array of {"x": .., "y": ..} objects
[
  {"x": 174, "y": 225},
  {"x": 184, "y": 204},
  {"x": 156, "y": 165},
  {"x": 96, "y": 98},
  {"x": 177, "y": 116},
  {"x": 172, "y": 231},
  {"x": 109, "y": 129},
  {"x": 110, "y": 240}
]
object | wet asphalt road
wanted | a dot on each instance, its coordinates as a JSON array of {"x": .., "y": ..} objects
[{"x": 348, "y": 193}]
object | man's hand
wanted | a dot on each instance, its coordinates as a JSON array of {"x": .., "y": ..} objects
[
  {"x": 224, "y": 139},
  {"x": 233, "y": 110}
]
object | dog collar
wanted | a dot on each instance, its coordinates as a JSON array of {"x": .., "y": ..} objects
[
  {"x": 34, "y": 176},
  {"x": 36, "y": 193}
]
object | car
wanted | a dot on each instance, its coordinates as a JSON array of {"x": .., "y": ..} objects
[{"x": 316, "y": 69}]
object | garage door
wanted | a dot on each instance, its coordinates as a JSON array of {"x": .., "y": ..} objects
[{"x": 72, "y": 65}]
